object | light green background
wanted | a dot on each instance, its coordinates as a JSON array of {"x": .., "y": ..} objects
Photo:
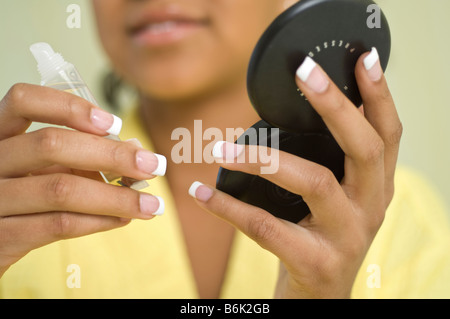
[{"x": 418, "y": 73}]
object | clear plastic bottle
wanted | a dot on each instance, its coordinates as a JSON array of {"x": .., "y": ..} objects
[{"x": 61, "y": 75}]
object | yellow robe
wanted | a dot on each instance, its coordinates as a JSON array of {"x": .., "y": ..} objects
[{"x": 410, "y": 256}]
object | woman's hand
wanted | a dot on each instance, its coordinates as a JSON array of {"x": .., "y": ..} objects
[
  {"x": 322, "y": 254},
  {"x": 49, "y": 185}
]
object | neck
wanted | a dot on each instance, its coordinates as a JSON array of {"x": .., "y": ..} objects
[{"x": 217, "y": 115}]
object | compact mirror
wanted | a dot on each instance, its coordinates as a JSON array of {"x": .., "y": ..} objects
[{"x": 332, "y": 32}]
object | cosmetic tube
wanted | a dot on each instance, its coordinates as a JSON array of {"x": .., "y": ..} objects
[{"x": 61, "y": 75}]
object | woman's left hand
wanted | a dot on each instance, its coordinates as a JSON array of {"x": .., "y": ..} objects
[{"x": 322, "y": 254}]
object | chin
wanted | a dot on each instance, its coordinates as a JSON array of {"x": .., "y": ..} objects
[
  {"x": 186, "y": 86},
  {"x": 173, "y": 91}
]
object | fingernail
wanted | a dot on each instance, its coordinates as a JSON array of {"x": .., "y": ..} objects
[
  {"x": 200, "y": 192},
  {"x": 151, "y": 163},
  {"x": 105, "y": 121},
  {"x": 372, "y": 65},
  {"x": 151, "y": 205},
  {"x": 312, "y": 76},
  {"x": 226, "y": 150}
]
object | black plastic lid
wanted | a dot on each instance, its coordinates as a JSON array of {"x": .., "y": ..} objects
[{"x": 332, "y": 32}]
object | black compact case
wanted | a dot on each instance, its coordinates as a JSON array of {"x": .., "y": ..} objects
[{"x": 332, "y": 32}]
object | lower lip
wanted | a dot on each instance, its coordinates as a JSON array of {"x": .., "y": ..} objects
[{"x": 172, "y": 35}]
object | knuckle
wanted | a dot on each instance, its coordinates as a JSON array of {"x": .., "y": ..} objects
[
  {"x": 326, "y": 268},
  {"x": 49, "y": 141},
  {"x": 119, "y": 154},
  {"x": 62, "y": 225},
  {"x": 354, "y": 250},
  {"x": 323, "y": 263},
  {"x": 73, "y": 103},
  {"x": 16, "y": 94},
  {"x": 262, "y": 228},
  {"x": 374, "y": 153},
  {"x": 393, "y": 139},
  {"x": 322, "y": 183},
  {"x": 58, "y": 190}
]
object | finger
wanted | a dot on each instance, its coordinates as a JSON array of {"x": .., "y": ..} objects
[
  {"x": 379, "y": 109},
  {"x": 315, "y": 183},
  {"x": 26, "y": 103},
  {"x": 76, "y": 150},
  {"x": 62, "y": 192},
  {"x": 362, "y": 145},
  {"x": 55, "y": 169},
  {"x": 268, "y": 231},
  {"x": 21, "y": 234}
]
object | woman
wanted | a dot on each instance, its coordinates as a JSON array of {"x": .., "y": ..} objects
[{"x": 188, "y": 60}]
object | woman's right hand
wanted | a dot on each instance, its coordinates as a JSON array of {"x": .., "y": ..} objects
[{"x": 47, "y": 189}]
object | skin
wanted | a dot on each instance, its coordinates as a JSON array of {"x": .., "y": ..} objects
[{"x": 200, "y": 76}]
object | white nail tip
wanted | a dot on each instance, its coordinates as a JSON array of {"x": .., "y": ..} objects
[
  {"x": 161, "y": 207},
  {"x": 304, "y": 71},
  {"x": 218, "y": 149},
  {"x": 116, "y": 126},
  {"x": 162, "y": 165},
  {"x": 371, "y": 59},
  {"x": 193, "y": 188}
]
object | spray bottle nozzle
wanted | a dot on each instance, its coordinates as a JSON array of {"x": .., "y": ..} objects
[{"x": 42, "y": 51}]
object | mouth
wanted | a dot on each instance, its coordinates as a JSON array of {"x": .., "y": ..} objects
[{"x": 162, "y": 28}]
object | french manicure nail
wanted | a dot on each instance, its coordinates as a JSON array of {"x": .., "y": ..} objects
[
  {"x": 151, "y": 205},
  {"x": 372, "y": 65},
  {"x": 200, "y": 192},
  {"x": 226, "y": 150},
  {"x": 161, "y": 207},
  {"x": 151, "y": 163},
  {"x": 105, "y": 121},
  {"x": 312, "y": 76}
]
